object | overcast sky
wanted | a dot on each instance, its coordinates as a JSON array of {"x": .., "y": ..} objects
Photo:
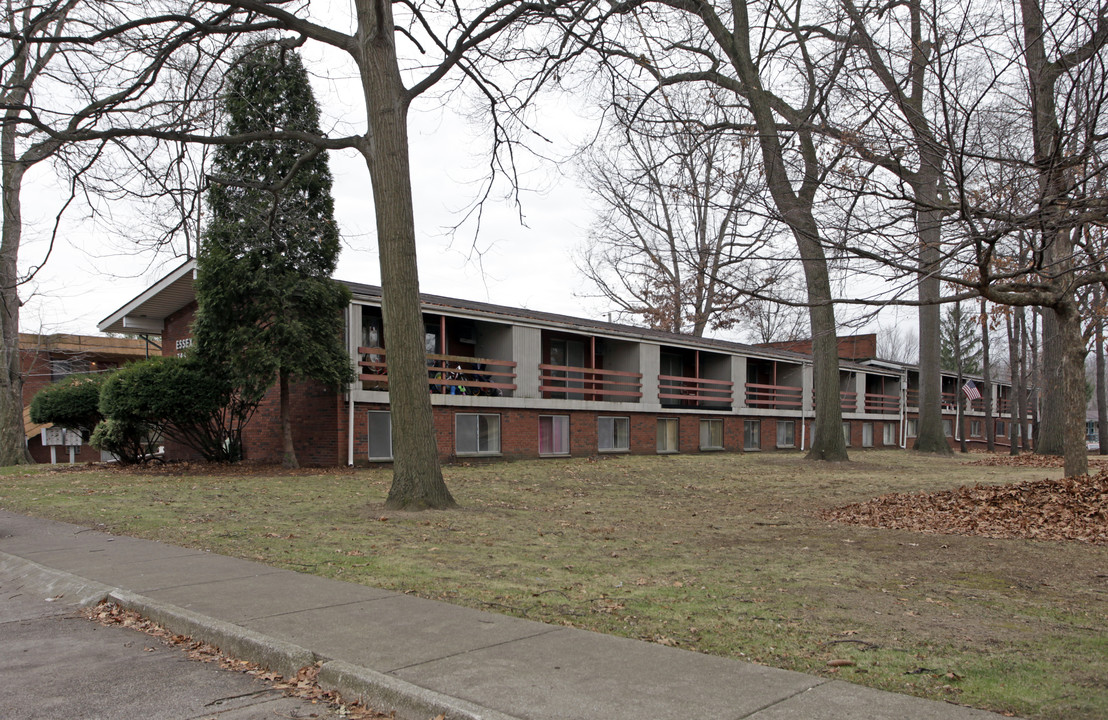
[{"x": 91, "y": 273}]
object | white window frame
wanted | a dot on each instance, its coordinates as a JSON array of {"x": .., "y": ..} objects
[
  {"x": 369, "y": 431},
  {"x": 791, "y": 425},
  {"x": 559, "y": 435},
  {"x": 867, "y": 434},
  {"x": 912, "y": 428},
  {"x": 676, "y": 424},
  {"x": 756, "y": 435},
  {"x": 846, "y": 433},
  {"x": 613, "y": 434},
  {"x": 707, "y": 424},
  {"x": 888, "y": 436},
  {"x": 477, "y": 440}
]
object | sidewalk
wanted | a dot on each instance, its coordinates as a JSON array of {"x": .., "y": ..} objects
[{"x": 420, "y": 657}]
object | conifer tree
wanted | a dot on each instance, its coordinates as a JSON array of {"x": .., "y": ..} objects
[{"x": 268, "y": 308}]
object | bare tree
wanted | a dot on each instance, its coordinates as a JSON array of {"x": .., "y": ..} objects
[
  {"x": 899, "y": 344},
  {"x": 68, "y": 72},
  {"x": 679, "y": 241},
  {"x": 890, "y": 120},
  {"x": 448, "y": 43},
  {"x": 765, "y": 58}
]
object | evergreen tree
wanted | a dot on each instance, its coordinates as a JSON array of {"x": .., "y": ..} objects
[
  {"x": 268, "y": 308},
  {"x": 960, "y": 336}
]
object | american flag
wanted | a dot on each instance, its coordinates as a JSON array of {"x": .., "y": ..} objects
[{"x": 970, "y": 390}]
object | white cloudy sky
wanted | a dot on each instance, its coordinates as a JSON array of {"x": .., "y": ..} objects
[{"x": 91, "y": 273}]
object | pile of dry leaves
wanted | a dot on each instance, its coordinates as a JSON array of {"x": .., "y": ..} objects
[{"x": 1068, "y": 509}]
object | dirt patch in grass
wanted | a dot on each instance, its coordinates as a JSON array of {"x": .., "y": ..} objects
[{"x": 723, "y": 554}]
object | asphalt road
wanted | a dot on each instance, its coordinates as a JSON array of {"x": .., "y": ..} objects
[{"x": 57, "y": 665}]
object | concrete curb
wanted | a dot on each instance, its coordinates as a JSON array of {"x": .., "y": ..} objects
[
  {"x": 389, "y": 694},
  {"x": 380, "y": 691},
  {"x": 51, "y": 583},
  {"x": 279, "y": 656}
]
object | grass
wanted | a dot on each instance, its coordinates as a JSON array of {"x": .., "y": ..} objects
[{"x": 721, "y": 554}]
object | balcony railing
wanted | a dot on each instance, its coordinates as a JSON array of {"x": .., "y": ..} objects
[
  {"x": 446, "y": 374},
  {"x": 880, "y": 403},
  {"x": 779, "y": 397},
  {"x": 848, "y": 400},
  {"x": 578, "y": 383},
  {"x": 694, "y": 392}
]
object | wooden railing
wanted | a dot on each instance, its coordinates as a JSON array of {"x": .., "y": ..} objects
[
  {"x": 781, "y": 397},
  {"x": 694, "y": 391},
  {"x": 578, "y": 383},
  {"x": 848, "y": 400},
  {"x": 446, "y": 374},
  {"x": 880, "y": 403}
]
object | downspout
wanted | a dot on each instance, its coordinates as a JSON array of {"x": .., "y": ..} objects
[
  {"x": 803, "y": 415},
  {"x": 350, "y": 392},
  {"x": 904, "y": 412}
]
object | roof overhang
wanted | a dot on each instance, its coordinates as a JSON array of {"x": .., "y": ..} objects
[{"x": 146, "y": 313}]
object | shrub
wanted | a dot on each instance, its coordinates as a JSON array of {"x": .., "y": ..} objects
[
  {"x": 72, "y": 403},
  {"x": 130, "y": 442},
  {"x": 183, "y": 399}
]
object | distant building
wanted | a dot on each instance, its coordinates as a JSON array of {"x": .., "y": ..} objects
[{"x": 46, "y": 359}]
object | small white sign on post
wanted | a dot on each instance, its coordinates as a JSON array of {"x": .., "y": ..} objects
[{"x": 54, "y": 436}]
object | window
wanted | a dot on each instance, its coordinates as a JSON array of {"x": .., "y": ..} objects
[
  {"x": 476, "y": 434},
  {"x": 948, "y": 428},
  {"x": 889, "y": 434},
  {"x": 553, "y": 434},
  {"x": 975, "y": 428},
  {"x": 711, "y": 434},
  {"x": 913, "y": 427},
  {"x": 867, "y": 434},
  {"x": 380, "y": 434},
  {"x": 786, "y": 433},
  {"x": 1000, "y": 429},
  {"x": 614, "y": 434},
  {"x": 752, "y": 434},
  {"x": 667, "y": 435},
  {"x": 846, "y": 434}
]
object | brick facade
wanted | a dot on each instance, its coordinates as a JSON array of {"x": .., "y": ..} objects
[{"x": 519, "y": 431}]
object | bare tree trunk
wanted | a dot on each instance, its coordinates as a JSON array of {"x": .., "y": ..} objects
[
  {"x": 417, "y": 478},
  {"x": 1017, "y": 399},
  {"x": 13, "y": 442},
  {"x": 959, "y": 396},
  {"x": 1073, "y": 349},
  {"x": 796, "y": 210},
  {"x": 1049, "y": 441},
  {"x": 1101, "y": 390},
  {"x": 986, "y": 372},
  {"x": 1036, "y": 375},
  {"x": 288, "y": 458}
]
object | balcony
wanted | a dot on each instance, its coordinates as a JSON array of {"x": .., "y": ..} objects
[
  {"x": 774, "y": 397},
  {"x": 879, "y": 403},
  {"x": 446, "y": 374},
  {"x": 848, "y": 400},
  {"x": 580, "y": 383},
  {"x": 694, "y": 392}
]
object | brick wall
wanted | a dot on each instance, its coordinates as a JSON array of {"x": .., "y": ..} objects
[
  {"x": 519, "y": 431},
  {"x": 318, "y": 426}
]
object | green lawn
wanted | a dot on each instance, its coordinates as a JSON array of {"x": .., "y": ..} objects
[{"x": 722, "y": 554}]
